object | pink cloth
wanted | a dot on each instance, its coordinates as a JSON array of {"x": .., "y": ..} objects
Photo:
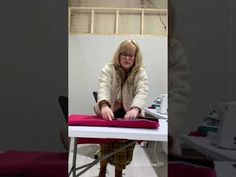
[
  {"x": 93, "y": 120},
  {"x": 188, "y": 170},
  {"x": 37, "y": 164}
]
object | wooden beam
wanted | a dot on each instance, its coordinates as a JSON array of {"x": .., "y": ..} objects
[
  {"x": 117, "y": 21},
  {"x": 92, "y": 21},
  {"x": 142, "y": 22},
  {"x": 121, "y": 9},
  {"x": 69, "y": 19}
]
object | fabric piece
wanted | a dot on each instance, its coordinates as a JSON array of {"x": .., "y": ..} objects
[
  {"x": 51, "y": 168},
  {"x": 14, "y": 162},
  {"x": 187, "y": 170},
  {"x": 37, "y": 164},
  {"x": 180, "y": 166},
  {"x": 93, "y": 120}
]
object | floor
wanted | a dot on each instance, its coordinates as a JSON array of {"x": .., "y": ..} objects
[{"x": 144, "y": 162}]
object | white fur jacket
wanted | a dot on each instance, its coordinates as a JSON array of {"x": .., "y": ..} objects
[{"x": 132, "y": 94}]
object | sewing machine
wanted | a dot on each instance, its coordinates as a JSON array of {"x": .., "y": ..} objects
[
  {"x": 164, "y": 104},
  {"x": 160, "y": 105},
  {"x": 225, "y": 137}
]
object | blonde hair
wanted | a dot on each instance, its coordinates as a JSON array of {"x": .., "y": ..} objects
[{"x": 125, "y": 46}]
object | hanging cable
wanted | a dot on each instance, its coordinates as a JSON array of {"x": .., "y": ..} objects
[
  {"x": 162, "y": 20},
  {"x": 159, "y": 14}
]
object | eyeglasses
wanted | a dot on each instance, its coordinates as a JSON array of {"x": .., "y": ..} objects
[{"x": 124, "y": 55}]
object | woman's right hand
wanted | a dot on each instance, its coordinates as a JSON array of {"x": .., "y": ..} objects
[{"x": 107, "y": 113}]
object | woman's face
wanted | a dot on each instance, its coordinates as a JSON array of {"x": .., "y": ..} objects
[{"x": 127, "y": 59}]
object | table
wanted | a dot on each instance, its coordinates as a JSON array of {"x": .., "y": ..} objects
[
  {"x": 75, "y": 132},
  {"x": 156, "y": 114},
  {"x": 204, "y": 146},
  {"x": 225, "y": 168}
]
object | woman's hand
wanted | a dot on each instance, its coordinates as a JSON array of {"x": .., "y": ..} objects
[
  {"x": 107, "y": 113},
  {"x": 132, "y": 114}
]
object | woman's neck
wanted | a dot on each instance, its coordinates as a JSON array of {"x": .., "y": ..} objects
[{"x": 127, "y": 71}]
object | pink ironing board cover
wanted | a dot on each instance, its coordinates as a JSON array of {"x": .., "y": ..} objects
[
  {"x": 188, "y": 170},
  {"x": 94, "y": 120},
  {"x": 33, "y": 164}
]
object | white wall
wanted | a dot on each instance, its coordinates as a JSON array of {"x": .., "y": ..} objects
[
  {"x": 33, "y": 73},
  {"x": 89, "y": 53},
  {"x": 210, "y": 54}
]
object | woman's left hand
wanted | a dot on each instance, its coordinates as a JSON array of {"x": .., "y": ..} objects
[{"x": 132, "y": 114}]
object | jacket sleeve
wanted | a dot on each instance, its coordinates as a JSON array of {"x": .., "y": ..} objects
[
  {"x": 104, "y": 87},
  {"x": 140, "y": 90}
]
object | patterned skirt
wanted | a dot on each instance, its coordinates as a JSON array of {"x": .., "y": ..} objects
[{"x": 120, "y": 159}]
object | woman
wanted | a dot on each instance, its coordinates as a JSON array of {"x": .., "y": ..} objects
[
  {"x": 178, "y": 86},
  {"x": 122, "y": 92}
]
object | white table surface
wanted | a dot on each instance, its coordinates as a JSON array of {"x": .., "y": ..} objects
[
  {"x": 154, "y": 113},
  {"x": 225, "y": 169},
  {"x": 159, "y": 134},
  {"x": 204, "y": 146}
]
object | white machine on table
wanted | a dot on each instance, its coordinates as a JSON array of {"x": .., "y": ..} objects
[{"x": 225, "y": 137}]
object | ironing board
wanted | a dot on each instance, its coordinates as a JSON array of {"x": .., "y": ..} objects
[
  {"x": 33, "y": 163},
  {"x": 79, "y": 128}
]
